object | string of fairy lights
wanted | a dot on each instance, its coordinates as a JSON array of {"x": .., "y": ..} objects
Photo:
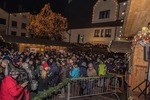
[
  {"x": 143, "y": 36},
  {"x": 97, "y": 6},
  {"x": 118, "y": 10}
]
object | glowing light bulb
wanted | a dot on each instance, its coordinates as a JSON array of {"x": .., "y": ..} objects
[{"x": 124, "y": 3}]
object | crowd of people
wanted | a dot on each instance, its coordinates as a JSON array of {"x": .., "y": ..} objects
[{"x": 19, "y": 69}]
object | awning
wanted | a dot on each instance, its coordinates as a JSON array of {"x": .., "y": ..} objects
[
  {"x": 120, "y": 47},
  {"x": 20, "y": 39}
]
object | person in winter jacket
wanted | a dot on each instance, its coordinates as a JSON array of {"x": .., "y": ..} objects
[
  {"x": 10, "y": 90},
  {"x": 75, "y": 71},
  {"x": 91, "y": 72},
  {"x": 83, "y": 69},
  {"x": 43, "y": 78},
  {"x": 102, "y": 69},
  {"x": 4, "y": 64}
]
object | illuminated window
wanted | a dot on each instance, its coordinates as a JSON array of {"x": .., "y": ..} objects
[
  {"x": 96, "y": 33},
  {"x": 104, "y": 14},
  {"x": 107, "y": 32}
]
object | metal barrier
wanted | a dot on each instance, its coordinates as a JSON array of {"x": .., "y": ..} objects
[{"x": 90, "y": 86}]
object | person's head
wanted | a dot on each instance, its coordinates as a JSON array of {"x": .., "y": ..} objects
[
  {"x": 27, "y": 60},
  {"x": 45, "y": 66},
  {"x": 31, "y": 62},
  {"x": 71, "y": 61},
  {"x": 43, "y": 73},
  {"x": 98, "y": 60},
  {"x": 32, "y": 56},
  {"x": 4, "y": 63},
  {"x": 90, "y": 66},
  {"x": 14, "y": 73},
  {"x": 75, "y": 65},
  {"x": 37, "y": 61},
  {"x": 16, "y": 62},
  {"x": 63, "y": 63},
  {"x": 25, "y": 65},
  {"x": 84, "y": 64}
]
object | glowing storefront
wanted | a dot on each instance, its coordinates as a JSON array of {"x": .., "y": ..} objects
[{"x": 33, "y": 44}]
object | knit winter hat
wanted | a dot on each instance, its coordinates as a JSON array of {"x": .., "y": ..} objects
[
  {"x": 16, "y": 61},
  {"x": 84, "y": 64},
  {"x": 45, "y": 65}
]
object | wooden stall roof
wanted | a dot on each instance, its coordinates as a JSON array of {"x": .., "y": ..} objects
[
  {"x": 120, "y": 47},
  {"x": 19, "y": 39}
]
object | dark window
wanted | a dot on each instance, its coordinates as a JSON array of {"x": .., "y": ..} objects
[
  {"x": 23, "y": 25},
  {"x": 32, "y": 35},
  {"x": 13, "y": 33},
  {"x": 23, "y": 34},
  {"x": 96, "y": 33},
  {"x": 107, "y": 32},
  {"x": 2, "y": 21},
  {"x": 14, "y": 24},
  {"x": 104, "y": 14}
]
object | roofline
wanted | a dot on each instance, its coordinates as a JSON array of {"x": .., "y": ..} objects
[
  {"x": 104, "y": 24},
  {"x": 4, "y": 10}
]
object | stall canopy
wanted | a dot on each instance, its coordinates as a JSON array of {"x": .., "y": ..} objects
[
  {"x": 19, "y": 39},
  {"x": 120, "y": 47}
]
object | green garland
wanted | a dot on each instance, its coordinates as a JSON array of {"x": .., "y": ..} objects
[
  {"x": 51, "y": 90},
  {"x": 56, "y": 89}
]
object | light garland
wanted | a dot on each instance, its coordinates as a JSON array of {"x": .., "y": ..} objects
[
  {"x": 116, "y": 9},
  {"x": 143, "y": 36}
]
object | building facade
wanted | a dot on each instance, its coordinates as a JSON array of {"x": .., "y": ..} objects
[
  {"x": 106, "y": 24},
  {"x": 13, "y": 23}
]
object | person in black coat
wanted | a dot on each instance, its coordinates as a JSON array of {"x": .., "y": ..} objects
[
  {"x": 1, "y": 74},
  {"x": 43, "y": 81}
]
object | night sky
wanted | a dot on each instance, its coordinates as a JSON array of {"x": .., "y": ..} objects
[
  {"x": 33, "y": 5},
  {"x": 78, "y": 12}
]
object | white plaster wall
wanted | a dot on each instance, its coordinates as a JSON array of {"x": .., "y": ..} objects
[
  {"x": 101, "y": 6},
  {"x": 89, "y": 35},
  {"x": 19, "y": 19},
  {"x": 4, "y": 15},
  {"x": 119, "y": 31},
  {"x": 122, "y": 7}
]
